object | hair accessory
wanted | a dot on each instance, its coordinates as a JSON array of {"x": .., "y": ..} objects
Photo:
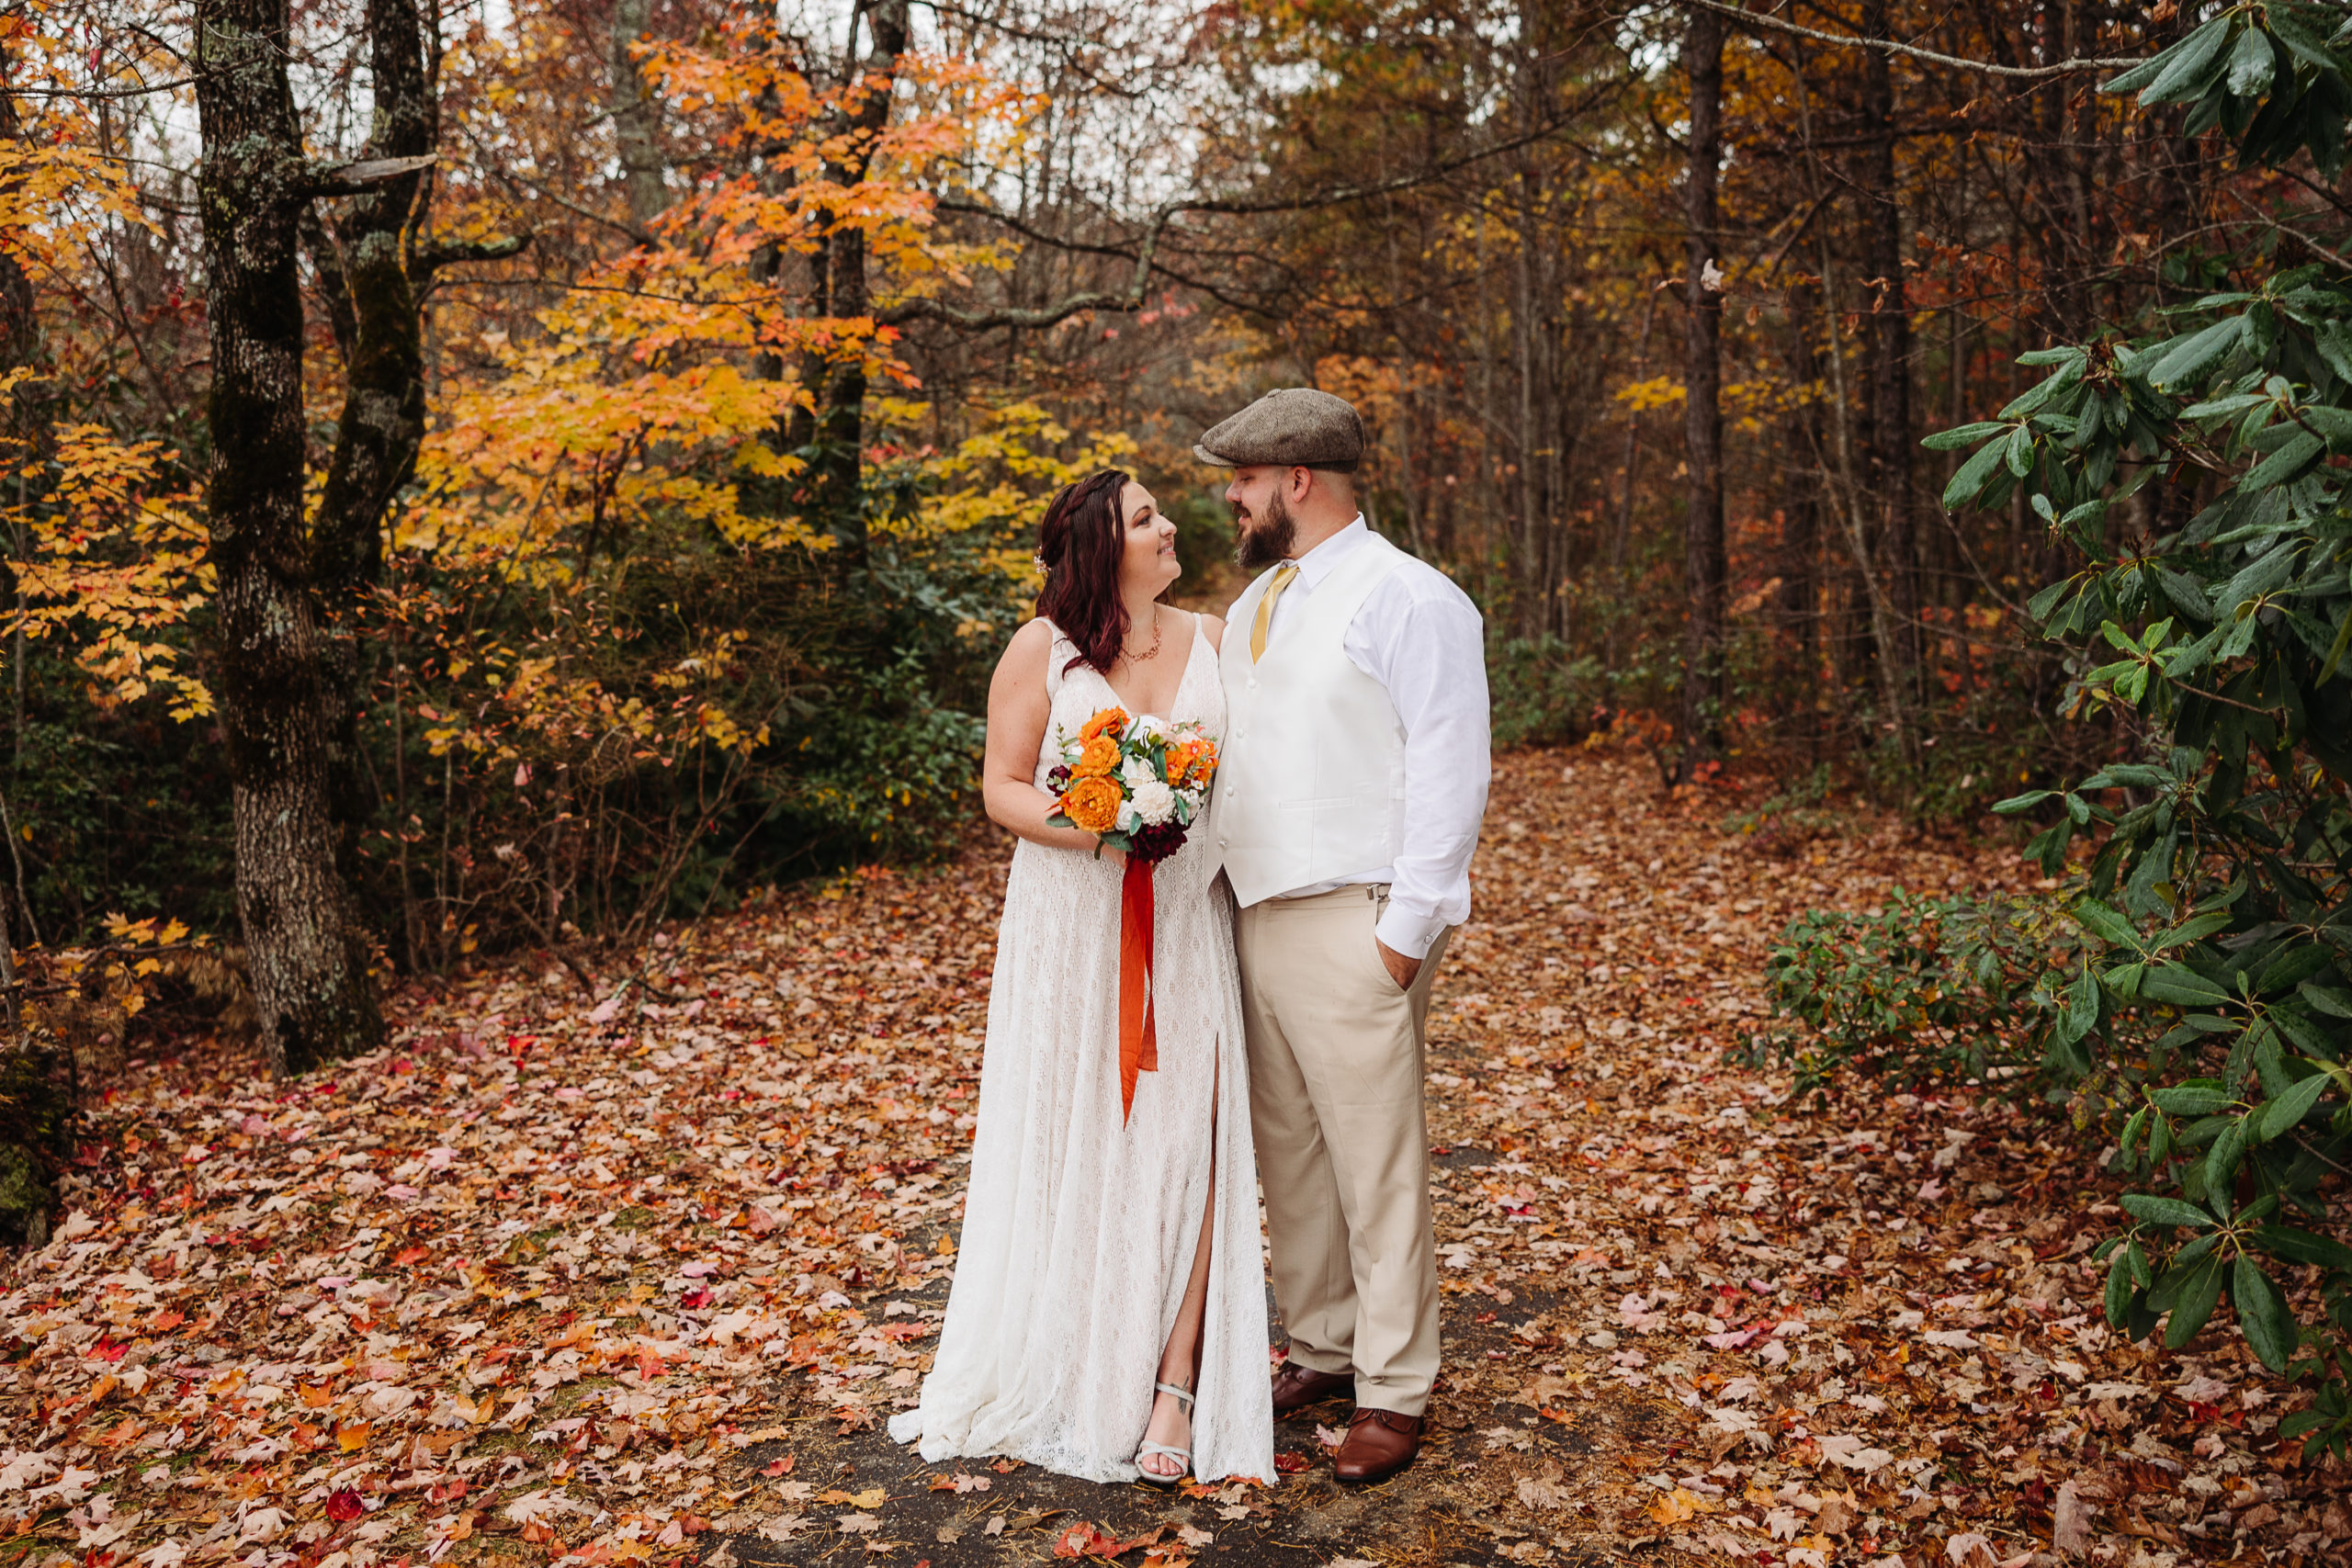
[{"x": 1039, "y": 562}]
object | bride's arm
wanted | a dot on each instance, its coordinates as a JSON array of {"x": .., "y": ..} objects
[{"x": 1019, "y": 710}]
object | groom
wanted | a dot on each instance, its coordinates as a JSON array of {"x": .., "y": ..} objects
[{"x": 1347, "y": 801}]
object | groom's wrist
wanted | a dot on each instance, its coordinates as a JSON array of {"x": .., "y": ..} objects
[{"x": 1407, "y": 934}]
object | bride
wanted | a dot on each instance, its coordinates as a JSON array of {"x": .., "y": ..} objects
[{"x": 1108, "y": 1317}]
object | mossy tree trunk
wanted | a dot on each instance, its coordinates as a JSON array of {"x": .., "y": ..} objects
[
  {"x": 279, "y": 701},
  {"x": 364, "y": 272}
]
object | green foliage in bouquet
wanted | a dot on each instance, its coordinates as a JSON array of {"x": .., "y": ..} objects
[{"x": 2191, "y": 993}]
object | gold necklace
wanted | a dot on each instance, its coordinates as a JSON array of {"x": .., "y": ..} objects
[{"x": 1158, "y": 632}]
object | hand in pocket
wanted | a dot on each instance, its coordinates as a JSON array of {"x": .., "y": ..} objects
[{"x": 1401, "y": 969}]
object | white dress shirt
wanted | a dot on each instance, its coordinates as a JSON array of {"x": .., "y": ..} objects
[{"x": 1419, "y": 635}]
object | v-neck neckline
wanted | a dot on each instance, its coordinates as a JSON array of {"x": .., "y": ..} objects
[{"x": 1190, "y": 652}]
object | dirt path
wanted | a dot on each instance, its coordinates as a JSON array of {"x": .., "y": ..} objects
[{"x": 638, "y": 1275}]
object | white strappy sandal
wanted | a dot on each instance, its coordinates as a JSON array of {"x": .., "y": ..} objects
[{"x": 1184, "y": 1398}]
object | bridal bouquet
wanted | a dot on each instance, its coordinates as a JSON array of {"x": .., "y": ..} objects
[{"x": 1138, "y": 784}]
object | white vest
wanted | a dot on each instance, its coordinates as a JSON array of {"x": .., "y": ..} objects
[{"x": 1310, "y": 786}]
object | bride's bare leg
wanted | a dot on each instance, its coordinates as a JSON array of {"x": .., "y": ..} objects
[{"x": 1180, "y": 1363}]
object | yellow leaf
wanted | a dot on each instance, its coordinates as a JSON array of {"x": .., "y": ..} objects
[{"x": 1677, "y": 1506}]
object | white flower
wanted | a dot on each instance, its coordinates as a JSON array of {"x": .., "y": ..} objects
[
  {"x": 1146, "y": 726},
  {"x": 1155, "y": 803},
  {"x": 1137, "y": 772},
  {"x": 1128, "y": 820}
]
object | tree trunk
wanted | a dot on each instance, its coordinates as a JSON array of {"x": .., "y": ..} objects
[
  {"x": 1888, "y": 348},
  {"x": 636, "y": 120},
  {"x": 837, "y": 282},
  {"x": 1801, "y": 527},
  {"x": 25, "y": 420},
  {"x": 311, "y": 985},
  {"x": 364, "y": 272},
  {"x": 1703, "y": 423}
]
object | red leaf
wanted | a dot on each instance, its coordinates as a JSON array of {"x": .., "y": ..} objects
[
  {"x": 1082, "y": 1540},
  {"x": 1291, "y": 1463},
  {"x": 345, "y": 1506}
]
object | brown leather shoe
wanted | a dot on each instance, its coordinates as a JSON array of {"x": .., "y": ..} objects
[
  {"x": 1297, "y": 1387},
  {"x": 1380, "y": 1443}
]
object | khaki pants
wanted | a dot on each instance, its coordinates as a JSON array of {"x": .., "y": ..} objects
[{"x": 1335, "y": 1102}]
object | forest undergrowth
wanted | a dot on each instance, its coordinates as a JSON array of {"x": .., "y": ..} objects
[{"x": 638, "y": 1275}]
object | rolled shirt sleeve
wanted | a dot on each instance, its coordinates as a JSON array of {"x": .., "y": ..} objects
[{"x": 1427, "y": 645}]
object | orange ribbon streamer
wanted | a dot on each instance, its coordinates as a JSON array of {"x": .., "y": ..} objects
[{"x": 1138, "y": 1034}]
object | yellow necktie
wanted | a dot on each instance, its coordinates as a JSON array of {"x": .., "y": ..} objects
[{"x": 1266, "y": 612}]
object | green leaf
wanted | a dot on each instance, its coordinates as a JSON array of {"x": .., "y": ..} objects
[
  {"x": 2263, "y": 1316},
  {"x": 2119, "y": 1288},
  {"x": 1973, "y": 475},
  {"x": 2195, "y": 929},
  {"x": 2276, "y": 1116},
  {"x": 2106, "y": 924},
  {"x": 2164, "y": 1211},
  {"x": 2186, "y": 61},
  {"x": 2251, "y": 63},
  {"x": 2019, "y": 452},
  {"x": 2180, "y": 985},
  {"x": 2082, "y": 1007},
  {"x": 2184, "y": 357},
  {"x": 2187, "y": 1100},
  {"x": 1961, "y": 435},
  {"x": 2221, "y": 1159},
  {"x": 2018, "y": 802},
  {"x": 2282, "y": 464},
  {"x": 2308, "y": 47},
  {"x": 2302, "y": 1246},
  {"x": 2237, "y": 402},
  {"x": 2327, "y": 1000},
  {"x": 2195, "y": 1301}
]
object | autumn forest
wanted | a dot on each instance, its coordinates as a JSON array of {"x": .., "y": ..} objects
[{"x": 510, "y": 512}]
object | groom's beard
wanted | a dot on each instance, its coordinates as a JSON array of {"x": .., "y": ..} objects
[{"x": 1269, "y": 540}]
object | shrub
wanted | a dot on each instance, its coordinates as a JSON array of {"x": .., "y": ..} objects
[
  {"x": 1540, "y": 693},
  {"x": 2202, "y": 1014},
  {"x": 1923, "y": 990}
]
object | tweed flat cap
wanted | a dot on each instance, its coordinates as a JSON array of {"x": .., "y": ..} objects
[{"x": 1291, "y": 428}]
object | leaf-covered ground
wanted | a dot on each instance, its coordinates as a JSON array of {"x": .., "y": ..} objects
[{"x": 638, "y": 1275}]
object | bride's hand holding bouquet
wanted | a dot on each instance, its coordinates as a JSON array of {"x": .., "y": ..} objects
[{"x": 1135, "y": 783}]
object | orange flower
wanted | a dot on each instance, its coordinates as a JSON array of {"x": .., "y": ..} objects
[
  {"x": 1180, "y": 758},
  {"x": 1099, "y": 756},
  {"x": 1110, "y": 721},
  {"x": 1203, "y": 768},
  {"x": 1092, "y": 803}
]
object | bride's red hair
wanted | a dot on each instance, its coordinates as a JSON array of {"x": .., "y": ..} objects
[{"x": 1080, "y": 544}]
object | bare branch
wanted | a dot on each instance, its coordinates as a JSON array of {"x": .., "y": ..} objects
[
  {"x": 350, "y": 179},
  {"x": 433, "y": 257},
  {"x": 2022, "y": 73},
  {"x": 1145, "y": 256}
]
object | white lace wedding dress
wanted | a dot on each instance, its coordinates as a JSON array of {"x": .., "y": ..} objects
[{"x": 1080, "y": 1233}]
